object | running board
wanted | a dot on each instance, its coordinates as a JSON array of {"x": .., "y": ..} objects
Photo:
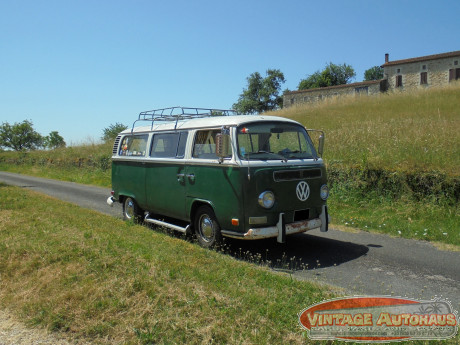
[{"x": 166, "y": 225}]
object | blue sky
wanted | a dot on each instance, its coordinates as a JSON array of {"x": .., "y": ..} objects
[{"x": 78, "y": 66}]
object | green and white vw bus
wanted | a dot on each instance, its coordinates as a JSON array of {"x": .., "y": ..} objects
[{"x": 217, "y": 174}]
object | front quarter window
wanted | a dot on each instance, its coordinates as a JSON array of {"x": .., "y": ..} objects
[
  {"x": 204, "y": 146},
  {"x": 274, "y": 141}
]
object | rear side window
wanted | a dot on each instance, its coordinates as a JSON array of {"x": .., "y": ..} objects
[
  {"x": 169, "y": 145},
  {"x": 133, "y": 145}
]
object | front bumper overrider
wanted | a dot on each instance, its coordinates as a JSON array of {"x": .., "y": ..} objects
[{"x": 281, "y": 229}]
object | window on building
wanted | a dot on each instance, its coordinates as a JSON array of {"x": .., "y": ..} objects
[
  {"x": 423, "y": 78},
  {"x": 362, "y": 90},
  {"x": 399, "y": 81},
  {"x": 424, "y": 67},
  {"x": 455, "y": 63},
  {"x": 398, "y": 70}
]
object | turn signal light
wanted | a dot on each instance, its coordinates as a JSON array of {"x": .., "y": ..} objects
[{"x": 235, "y": 222}]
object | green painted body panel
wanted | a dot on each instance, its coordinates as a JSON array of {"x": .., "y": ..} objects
[
  {"x": 221, "y": 187},
  {"x": 128, "y": 179},
  {"x": 165, "y": 189},
  {"x": 286, "y": 200},
  {"x": 168, "y": 189}
]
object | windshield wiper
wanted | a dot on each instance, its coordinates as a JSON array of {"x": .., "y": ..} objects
[{"x": 283, "y": 158}]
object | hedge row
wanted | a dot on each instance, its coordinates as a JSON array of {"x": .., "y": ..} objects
[
  {"x": 102, "y": 161},
  {"x": 435, "y": 186}
]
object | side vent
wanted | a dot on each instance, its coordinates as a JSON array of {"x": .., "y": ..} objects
[{"x": 115, "y": 145}]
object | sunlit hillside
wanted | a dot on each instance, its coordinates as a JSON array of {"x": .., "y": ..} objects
[{"x": 400, "y": 132}]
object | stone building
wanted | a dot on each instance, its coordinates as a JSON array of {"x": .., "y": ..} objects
[
  {"x": 320, "y": 94},
  {"x": 421, "y": 72},
  {"x": 403, "y": 75}
]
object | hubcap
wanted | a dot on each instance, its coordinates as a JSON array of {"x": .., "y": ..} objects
[
  {"x": 206, "y": 228},
  {"x": 129, "y": 208}
]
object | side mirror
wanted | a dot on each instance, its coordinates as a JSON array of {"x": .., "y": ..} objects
[
  {"x": 223, "y": 144},
  {"x": 321, "y": 144},
  {"x": 317, "y": 132}
]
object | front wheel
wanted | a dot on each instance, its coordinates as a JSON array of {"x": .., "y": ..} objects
[
  {"x": 131, "y": 211},
  {"x": 207, "y": 229}
]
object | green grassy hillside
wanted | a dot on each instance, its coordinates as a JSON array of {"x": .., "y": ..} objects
[{"x": 416, "y": 131}]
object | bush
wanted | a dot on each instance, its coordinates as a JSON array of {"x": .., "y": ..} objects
[{"x": 438, "y": 187}]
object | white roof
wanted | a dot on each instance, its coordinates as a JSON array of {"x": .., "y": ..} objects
[{"x": 206, "y": 122}]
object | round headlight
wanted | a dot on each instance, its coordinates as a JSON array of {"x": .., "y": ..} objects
[
  {"x": 266, "y": 199},
  {"x": 324, "y": 192}
]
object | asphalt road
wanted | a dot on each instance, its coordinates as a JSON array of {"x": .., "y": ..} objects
[{"x": 360, "y": 263}]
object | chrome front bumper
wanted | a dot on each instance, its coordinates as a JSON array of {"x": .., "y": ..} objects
[
  {"x": 280, "y": 230},
  {"x": 277, "y": 230}
]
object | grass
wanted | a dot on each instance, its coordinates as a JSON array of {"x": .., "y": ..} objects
[
  {"x": 87, "y": 164},
  {"x": 400, "y": 218},
  {"x": 93, "y": 278},
  {"x": 96, "y": 278}
]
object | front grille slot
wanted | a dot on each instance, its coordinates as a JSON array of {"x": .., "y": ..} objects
[
  {"x": 290, "y": 175},
  {"x": 301, "y": 215}
]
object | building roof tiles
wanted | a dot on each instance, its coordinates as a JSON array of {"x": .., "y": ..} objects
[
  {"x": 423, "y": 58},
  {"x": 359, "y": 84}
]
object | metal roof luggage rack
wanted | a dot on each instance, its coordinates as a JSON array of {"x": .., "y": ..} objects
[{"x": 180, "y": 113}]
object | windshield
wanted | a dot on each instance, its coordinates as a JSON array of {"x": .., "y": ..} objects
[{"x": 274, "y": 141}]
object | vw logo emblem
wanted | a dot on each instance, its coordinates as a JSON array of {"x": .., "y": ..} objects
[{"x": 302, "y": 191}]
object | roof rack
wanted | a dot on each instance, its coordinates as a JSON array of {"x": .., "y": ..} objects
[{"x": 180, "y": 113}]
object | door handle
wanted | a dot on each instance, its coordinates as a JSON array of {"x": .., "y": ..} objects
[
  {"x": 191, "y": 177},
  {"x": 180, "y": 177}
]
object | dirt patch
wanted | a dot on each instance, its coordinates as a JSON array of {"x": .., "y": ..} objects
[{"x": 13, "y": 332}]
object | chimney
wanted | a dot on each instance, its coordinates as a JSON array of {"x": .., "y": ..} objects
[{"x": 387, "y": 57}]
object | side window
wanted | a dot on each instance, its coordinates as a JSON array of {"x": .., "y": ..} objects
[
  {"x": 164, "y": 145},
  {"x": 169, "y": 145},
  {"x": 205, "y": 144},
  {"x": 133, "y": 145}
]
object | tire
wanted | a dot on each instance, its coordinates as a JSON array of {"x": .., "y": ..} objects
[
  {"x": 207, "y": 229},
  {"x": 131, "y": 211}
]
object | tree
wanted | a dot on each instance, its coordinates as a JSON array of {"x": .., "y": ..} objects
[
  {"x": 53, "y": 141},
  {"x": 111, "y": 132},
  {"x": 262, "y": 94},
  {"x": 373, "y": 73},
  {"x": 20, "y": 136},
  {"x": 331, "y": 75}
]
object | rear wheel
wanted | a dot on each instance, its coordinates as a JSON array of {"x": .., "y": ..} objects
[
  {"x": 131, "y": 211},
  {"x": 207, "y": 229}
]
